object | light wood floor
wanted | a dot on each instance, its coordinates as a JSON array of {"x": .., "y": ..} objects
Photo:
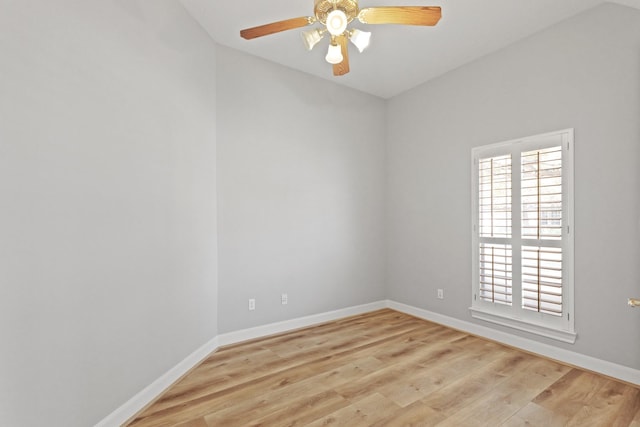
[{"x": 388, "y": 369}]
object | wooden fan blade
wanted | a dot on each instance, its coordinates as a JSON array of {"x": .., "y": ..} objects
[
  {"x": 406, "y": 15},
  {"x": 342, "y": 68},
  {"x": 276, "y": 27}
]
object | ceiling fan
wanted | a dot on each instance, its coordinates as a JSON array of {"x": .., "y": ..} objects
[{"x": 336, "y": 15}]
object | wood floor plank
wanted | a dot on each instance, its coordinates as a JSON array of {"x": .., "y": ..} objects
[
  {"x": 504, "y": 400},
  {"x": 363, "y": 412},
  {"x": 198, "y": 422},
  {"x": 463, "y": 392},
  {"x": 568, "y": 395},
  {"x": 636, "y": 420},
  {"x": 295, "y": 409},
  {"x": 536, "y": 416},
  {"x": 613, "y": 405},
  {"x": 352, "y": 371},
  {"x": 417, "y": 414},
  {"x": 387, "y": 368}
]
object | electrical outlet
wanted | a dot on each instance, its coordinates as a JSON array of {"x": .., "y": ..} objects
[
  {"x": 284, "y": 298},
  {"x": 440, "y": 293},
  {"x": 252, "y": 304}
]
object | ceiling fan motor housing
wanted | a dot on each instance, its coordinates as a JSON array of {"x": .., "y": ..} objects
[{"x": 322, "y": 8}]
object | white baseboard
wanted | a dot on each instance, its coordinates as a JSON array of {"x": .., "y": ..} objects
[
  {"x": 153, "y": 390},
  {"x": 610, "y": 369},
  {"x": 301, "y": 322},
  {"x": 150, "y": 393}
]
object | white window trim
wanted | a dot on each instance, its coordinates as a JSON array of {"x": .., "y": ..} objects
[
  {"x": 532, "y": 328},
  {"x": 561, "y": 328}
]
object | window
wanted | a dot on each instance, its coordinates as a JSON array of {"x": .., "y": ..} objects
[{"x": 522, "y": 234}]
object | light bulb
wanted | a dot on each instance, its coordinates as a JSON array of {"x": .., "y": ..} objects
[
  {"x": 360, "y": 39},
  {"x": 336, "y": 22},
  {"x": 334, "y": 55},
  {"x": 312, "y": 37}
]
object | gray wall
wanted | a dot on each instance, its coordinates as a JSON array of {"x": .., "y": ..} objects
[
  {"x": 583, "y": 73},
  {"x": 108, "y": 203},
  {"x": 301, "y": 167}
]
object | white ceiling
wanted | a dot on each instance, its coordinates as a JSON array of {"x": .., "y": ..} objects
[{"x": 399, "y": 57}]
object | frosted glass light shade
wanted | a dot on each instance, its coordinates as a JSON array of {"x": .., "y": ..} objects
[
  {"x": 312, "y": 37},
  {"x": 360, "y": 39},
  {"x": 334, "y": 55},
  {"x": 336, "y": 22}
]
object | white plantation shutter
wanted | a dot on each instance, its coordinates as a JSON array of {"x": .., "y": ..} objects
[
  {"x": 496, "y": 273},
  {"x": 495, "y": 196},
  {"x": 522, "y": 243},
  {"x": 542, "y": 279},
  {"x": 541, "y": 197},
  {"x": 494, "y": 211},
  {"x": 541, "y": 194}
]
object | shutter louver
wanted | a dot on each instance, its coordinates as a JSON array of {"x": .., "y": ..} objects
[
  {"x": 496, "y": 283},
  {"x": 541, "y": 185},
  {"x": 495, "y": 196},
  {"x": 542, "y": 279}
]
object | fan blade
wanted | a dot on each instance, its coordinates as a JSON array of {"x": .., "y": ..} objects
[
  {"x": 276, "y": 27},
  {"x": 406, "y": 15},
  {"x": 342, "y": 68}
]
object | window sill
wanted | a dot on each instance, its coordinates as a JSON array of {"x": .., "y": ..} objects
[{"x": 545, "y": 331}]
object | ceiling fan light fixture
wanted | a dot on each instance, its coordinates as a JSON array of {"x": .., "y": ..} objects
[
  {"x": 334, "y": 55},
  {"x": 360, "y": 39},
  {"x": 335, "y": 16},
  {"x": 312, "y": 37},
  {"x": 336, "y": 22}
]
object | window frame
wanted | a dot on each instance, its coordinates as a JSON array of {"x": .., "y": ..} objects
[{"x": 562, "y": 327}]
